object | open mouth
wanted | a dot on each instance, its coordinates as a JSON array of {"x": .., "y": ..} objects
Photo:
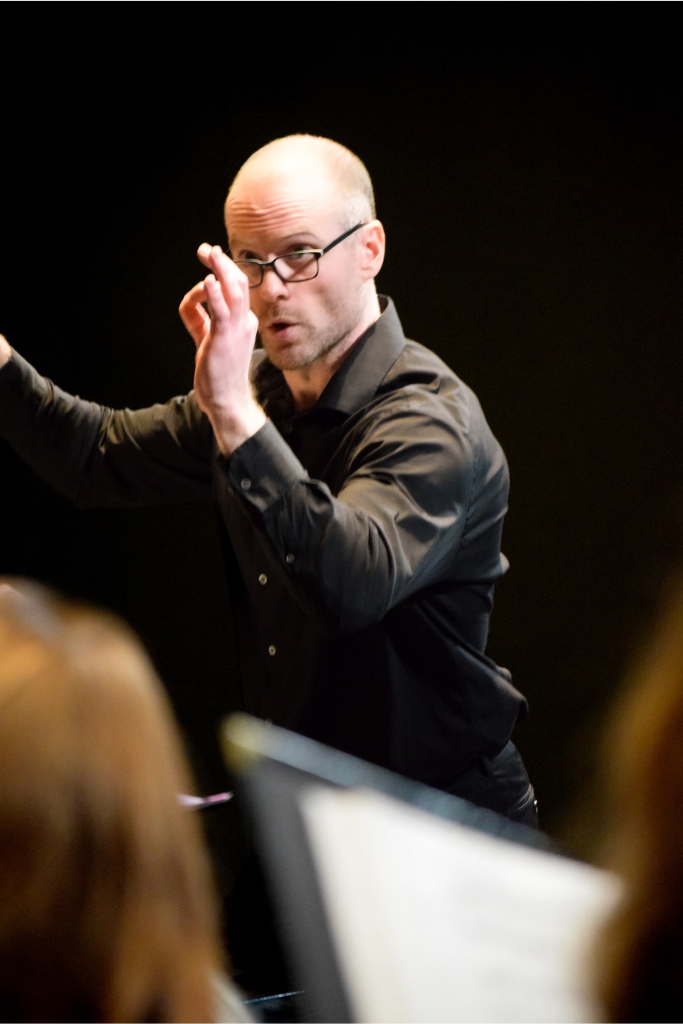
[{"x": 280, "y": 327}]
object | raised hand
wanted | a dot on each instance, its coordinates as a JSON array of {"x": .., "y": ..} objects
[
  {"x": 5, "y": 350},
  {"x": 224, "y": 338}
]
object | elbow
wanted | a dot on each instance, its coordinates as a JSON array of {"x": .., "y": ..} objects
[
  {"x": 341, "y": 615},
  {"x": 349, "y": 592},
  {"x": 337, "y": 627}
]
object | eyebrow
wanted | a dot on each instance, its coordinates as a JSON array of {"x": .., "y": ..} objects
[{"x": 241, "y": 248}]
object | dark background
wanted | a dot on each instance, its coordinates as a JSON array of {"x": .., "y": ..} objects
[{"x": 527, "y": 163}]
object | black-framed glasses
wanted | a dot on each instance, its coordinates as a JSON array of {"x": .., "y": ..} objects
[{"x": 293, "y": 267}]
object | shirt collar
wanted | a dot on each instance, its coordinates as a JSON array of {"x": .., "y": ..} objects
[
  {"x": 367, "y": 364},
  {"x": 357, "y": 379}
]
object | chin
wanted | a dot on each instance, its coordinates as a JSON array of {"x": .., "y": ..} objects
[
  {"x": 292, "y": 357},
  {"x": 291, "y": 361}
]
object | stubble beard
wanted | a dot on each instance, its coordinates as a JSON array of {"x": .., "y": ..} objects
[{"x": 319, "y": 340}]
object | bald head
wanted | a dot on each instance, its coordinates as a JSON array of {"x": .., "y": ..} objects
[
  {"x": 315, "y": 164},
  {"x": 298, "y": 195}
]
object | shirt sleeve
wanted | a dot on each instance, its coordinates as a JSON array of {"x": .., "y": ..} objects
[
  {"x": 397, "y": 521},
  {"x": 105, "y": 458}
]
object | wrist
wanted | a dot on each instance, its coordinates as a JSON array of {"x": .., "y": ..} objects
[{"x": 235, "y": 426}]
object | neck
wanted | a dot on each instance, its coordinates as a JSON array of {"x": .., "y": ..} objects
[{"x": 308, "y": 383}]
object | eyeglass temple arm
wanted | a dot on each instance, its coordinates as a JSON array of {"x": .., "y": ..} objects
[
  {"x": 341, "y": 238},
  {"x": 319, "y": 252}
]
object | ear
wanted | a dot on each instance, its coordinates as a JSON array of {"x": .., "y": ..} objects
[{"x": 372, "y": 245}]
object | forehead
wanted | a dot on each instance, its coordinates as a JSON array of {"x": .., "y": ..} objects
[{"x": 266, "y": 209}]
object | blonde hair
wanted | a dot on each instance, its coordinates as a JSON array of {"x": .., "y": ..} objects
[
  {"x": 355, "y": 187},
  {"x": 106, "y": 908},
  {"x": 640, "y": 957}
]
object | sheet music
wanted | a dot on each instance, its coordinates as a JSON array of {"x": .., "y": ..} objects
[{"x": 434, "y": 921}]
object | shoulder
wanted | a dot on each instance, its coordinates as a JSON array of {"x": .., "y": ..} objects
[{"x": 421, "y": 381}]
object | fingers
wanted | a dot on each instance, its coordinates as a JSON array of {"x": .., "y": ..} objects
[
  {"x": 204, "y": 253},
  {"x": 226, "y": 294},
  {"x": 5, "y": 350},
  {"x": 195, "y": 295},
  {"x": 193, "y": 314},
  {"x": 233, "y": 282},
  {"x": 215, "y": 300}
]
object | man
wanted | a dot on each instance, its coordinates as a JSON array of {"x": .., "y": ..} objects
[{"x": 359, "y": 487}]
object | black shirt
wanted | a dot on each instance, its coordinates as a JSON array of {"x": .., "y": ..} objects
[{"x": 362, "y": 541}]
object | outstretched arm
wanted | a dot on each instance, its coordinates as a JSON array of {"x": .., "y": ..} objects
[
  {"x": 224, "y": 338},
  {"x": 104, "y": 457},
  {"x": 99, "y": 457}
]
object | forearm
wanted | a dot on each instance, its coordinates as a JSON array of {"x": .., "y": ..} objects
[
  {"x": 348, "y": 558},
  {"x": 36, "y": 421},
  {"x": 99, "y": 457},
  {"x": 347, "y": 569}
]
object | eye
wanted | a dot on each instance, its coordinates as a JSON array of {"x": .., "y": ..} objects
[{"x": 296, "y": 260}]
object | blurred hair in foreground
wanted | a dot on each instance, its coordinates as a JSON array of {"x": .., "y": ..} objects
[
  {"x": 640, "y": 958},
  {"x": 106, "y": 909}
]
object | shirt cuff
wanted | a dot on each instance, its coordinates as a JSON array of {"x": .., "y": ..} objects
[{"x": 264, "y": 468}]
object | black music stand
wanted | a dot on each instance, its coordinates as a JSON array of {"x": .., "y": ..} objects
[{"x": 274, "y": 767}]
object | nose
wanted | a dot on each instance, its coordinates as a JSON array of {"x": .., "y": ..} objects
[{"x": 272, "y": 287}]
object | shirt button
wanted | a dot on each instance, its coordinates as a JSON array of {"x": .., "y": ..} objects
[
  {"x": 263, "y": 579},
  {"x": 289, "y": 558},
  {"x": 271, "y": 650},
  {"x": 245, "y": 483}
]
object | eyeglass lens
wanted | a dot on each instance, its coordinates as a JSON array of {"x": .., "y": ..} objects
[{"x": 295, "y": 266}]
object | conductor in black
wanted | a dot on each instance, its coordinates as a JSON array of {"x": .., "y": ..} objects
[{"x": 359, "y": 486}]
